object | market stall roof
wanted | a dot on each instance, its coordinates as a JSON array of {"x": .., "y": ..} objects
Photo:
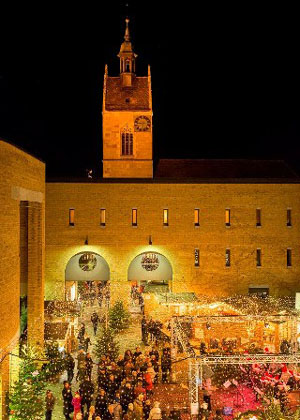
[{"x": 177, "y": 298}]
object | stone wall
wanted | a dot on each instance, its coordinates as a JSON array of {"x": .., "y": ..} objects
[
  {"x": 22, "y": 180},
  {"x": 119, "y": 242}
]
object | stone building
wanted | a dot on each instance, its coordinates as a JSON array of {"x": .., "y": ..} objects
[
  {"x": 22, "y": 245},
  {"x": 211, "y": 227}
]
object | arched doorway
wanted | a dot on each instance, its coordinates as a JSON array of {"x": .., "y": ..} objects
[
  {"x": 87, "y": 277},
  {"x": 152, "y": 271}
]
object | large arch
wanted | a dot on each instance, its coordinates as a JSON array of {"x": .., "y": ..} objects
[
  {"x": 86, "y": 270},
  {"x": 151, "y": 270}
]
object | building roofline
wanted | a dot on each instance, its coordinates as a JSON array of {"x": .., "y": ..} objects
[
  {"x": 195, "y": 181},
  {"x": 11, "y": 143}
]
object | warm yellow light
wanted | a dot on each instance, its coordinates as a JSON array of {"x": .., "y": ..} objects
[
  {"x": 102, "y": 217},
  {"x": 166, "y": 217}
]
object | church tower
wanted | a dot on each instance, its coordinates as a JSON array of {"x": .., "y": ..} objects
[{"x": 127, "y": 119}]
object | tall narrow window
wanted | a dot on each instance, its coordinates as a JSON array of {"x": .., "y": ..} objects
[
  {"x": 227, "y": 217},
  {"x": 227, "y": 258},
  {"x": 71, "y": 217},
  {"x": 197, "y": 257},
  {"x": 166, "y": 217},
  {"x": 258, "y": 257},
  {"x": 134, "y": 217},
  {"x": 258, "y": 217},
  {"x": 102, "y": 217},
  {"x": 289, "y": 257},
  {"x": 197, "y": 217},
  {"x": 289, "y": 217},
  {"x": 127, "y": 142}
]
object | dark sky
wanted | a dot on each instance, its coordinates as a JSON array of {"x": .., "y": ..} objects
[{"x": 225, "y": 79}]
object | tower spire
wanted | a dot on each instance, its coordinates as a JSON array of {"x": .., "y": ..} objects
[
  {"x": 127, "y": 59},
  {"x": 127, "y": 34}
]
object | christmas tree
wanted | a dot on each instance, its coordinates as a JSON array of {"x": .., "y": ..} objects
[
  {"x": 119, "y": 317},
  {"x": 27, "y": 400},
  {"x": 106, "y": 344}
]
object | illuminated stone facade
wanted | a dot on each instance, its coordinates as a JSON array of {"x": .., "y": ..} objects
[
  {"x": 22, "y": 197},
  {"x": 119, "y": 242}
]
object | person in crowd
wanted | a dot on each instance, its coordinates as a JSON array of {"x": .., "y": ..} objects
[
  {"x": 218, "y": 415},
  {"x": 144, "y": 327},
  {"x": 102, "y": 378},
  {"x": 49, "y": 403},
  {"x": 155, "y": 412},
  {"x": 89, "y": 365},
  {"x": 139, "y": 389},
  {"x": 136, "y": 354},
  {"x": 76, "y": 402},
  {"x": 207, "y": 391},
  {"x": 147, "y": 409},
  {"x": 154, "y": 352},
  {"x": 81, "y": 366},
  {"x": 155, "y": 366},
  {"x": 138, "y": 409},
  {"x": 70, "y": 365},
  {"x": 81, "y": 331},
  {"x": 111, "y": 388},
  {"x": 86, "y": 390},
  {"x": 126, "y": 396},
  {"x": 92, "y": 413},
  {"x": 129, "y": 413},
  {"x": 165, "y": 365},
  {"x": 141, "y": 303},
  {"x": 86, "y": 343},
  {"x": 101, "y": 404},
  {"x": 148, "y": 383},
  {"x": 127, "y": 355},
  {"x": 95, "y": 320},
  {"x": 67, "y": 400},
  {"x": 116, "y": 408}
]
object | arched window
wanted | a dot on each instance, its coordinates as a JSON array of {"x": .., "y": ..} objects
[{"x": 127, "y": 142}]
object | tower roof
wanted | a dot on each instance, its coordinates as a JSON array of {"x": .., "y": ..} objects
[{"x": 136, "y": 97}]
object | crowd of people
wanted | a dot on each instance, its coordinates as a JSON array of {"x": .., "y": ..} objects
[{"x": 111, "y": 389}]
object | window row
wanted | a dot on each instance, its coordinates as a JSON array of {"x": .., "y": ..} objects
[
  {"x": 258, "y": 257},
  {"x": 166, "y": 217}
]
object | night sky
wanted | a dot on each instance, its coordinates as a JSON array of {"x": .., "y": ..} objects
[{"x": 225, "y": 80}]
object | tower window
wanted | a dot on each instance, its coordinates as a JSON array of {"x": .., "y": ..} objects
[
  {"x": 289, "y": 217},
  {"x": 127, "y": 67},
  {"x": 166, "y": 217},
  {"x": 134, "y": 217},
  {"x": 258, "y": 257},
  {"x": 197, "y": 217},
  {"x": 71, "y": 217},
  {"x": 197, "y": 257},
  {"x": 258, "y": 217},
  {"x": 102, "y": 217},
  {"x": 227, "y": 217},
  {"x": 288, "y": 257},
  {"x": 127, "y": 143},
  {"x": 227, "y": 257}
]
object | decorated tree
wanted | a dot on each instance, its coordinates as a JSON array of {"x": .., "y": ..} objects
[
  {"x": 119, "y": 317},
  {"x": 106, "y": 344},
  {"x": 27, "y": 399},
  {"x": 56, "y": 363}
]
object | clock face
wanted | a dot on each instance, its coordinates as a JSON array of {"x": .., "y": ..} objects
[
  {"x": 87, "y": 261},
  {"x": 142, "y": 123}
]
